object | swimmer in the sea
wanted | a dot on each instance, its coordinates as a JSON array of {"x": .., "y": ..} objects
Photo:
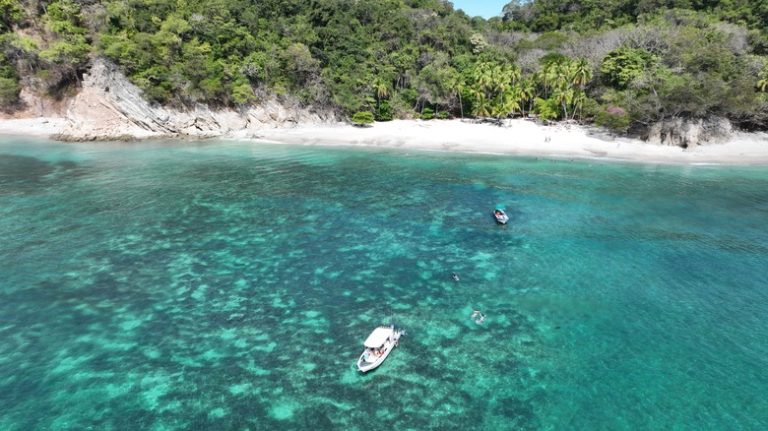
[{"x": 478, "y": 317}]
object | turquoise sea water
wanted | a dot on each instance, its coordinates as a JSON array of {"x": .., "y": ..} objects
[{"x": 229, "y": 286}]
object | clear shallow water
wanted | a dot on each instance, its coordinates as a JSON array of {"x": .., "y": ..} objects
[{"x": 230, "y": 286}]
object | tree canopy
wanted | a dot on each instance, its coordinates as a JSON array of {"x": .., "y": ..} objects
[{"x": 555, "y": 59}]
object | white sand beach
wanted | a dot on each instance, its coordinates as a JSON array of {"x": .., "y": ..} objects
[
  {"x": 523, "y": 138},
  {"x": 515, "y": 137},
  {"x": 41, "y": 127}
]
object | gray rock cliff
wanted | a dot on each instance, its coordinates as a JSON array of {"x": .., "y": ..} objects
[
  {"x": 109, "y": 107},
  {"x": 690, "y": 133}
]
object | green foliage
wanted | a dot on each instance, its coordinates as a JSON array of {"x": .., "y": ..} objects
[
  {"x": 614, "y": 118},
  {"x": 9, "y": 79},
  {"x": 695, "y": 72},
  {"x": 550, "y": 40},
  {"x": 384, "y": 113},
  {"x": 624, "y": 65},
  {"x": 588, "y": 16},
  {"x": 6, "y": 70},
  {"x": 493, "y": 89},
  {"x": 410, "y": 58},
  {"x": 762, "y": 82},
  {"x": 563, "y": 81},
  {"x": 10, "y": 14},
  {"x": 546, "y": 109},
  {"x": 67, "y": 52},
  {"x": 362, "y": 118},
  {"x": 9, "y": 92},
  {"x": 427, "y": 114},
  {"x": 242, "y": 92},
  {"x": 63, "y": 17},
  {"x": 501, "y": 90},
  {"x": 299, "y": 62},
  {"x": 353, "y": 55},
  {"x": 552, "y": 58},
  {"x": 589, "y": 109},
  {"x": 479, "y": 44},
  {"x": 401, "y": 106}
]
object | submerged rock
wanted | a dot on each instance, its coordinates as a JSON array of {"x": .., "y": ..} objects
[
  {"x": 109, "y": 107},
  {"x": 687, "y": 133}
]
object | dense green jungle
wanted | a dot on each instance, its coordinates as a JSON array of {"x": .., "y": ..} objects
[{"x": 621, "y": 64}]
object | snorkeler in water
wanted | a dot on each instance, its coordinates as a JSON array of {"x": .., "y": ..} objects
[
  {"x": 455, "y": 276},
  {"x": 478, "y": 317}
]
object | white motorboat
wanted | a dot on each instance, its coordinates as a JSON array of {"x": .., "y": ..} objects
[
  {"x": 378, "y": 345},
  {"x": 500, "y": 215}
]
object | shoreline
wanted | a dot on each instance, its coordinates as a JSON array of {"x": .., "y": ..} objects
[
  {"x": 39, "y": 127},
  {"x": 520, "y": 137},
  {"x": 516, "y": 137}
]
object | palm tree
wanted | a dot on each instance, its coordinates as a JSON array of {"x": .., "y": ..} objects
[
  {"x": 514, "y": 73},
  {"x": 381, "y": 88},
  {"x": 582, "y": 73},
  {"x": 578, "y": 103},
  {"x": 564, "y": 97},
  {"x": 543, "y": 77},
  {"x": 512, "y": 101},
  {"x": 481, "y": 107},
  {"x": 484, "y": 87},
  {"x": 562, "y": 72},
  {"x": 507, "y": 75},
  {"x": 457, "y": 84},
  {"x": 528, "y": 92},
  {"x": 762, "y": 84},
  {"x": 483, "y": 75},
  {"x": 552, "y": 77},
  {"x": 494, "y": 90},
  {"x": 498, "y": 79}
]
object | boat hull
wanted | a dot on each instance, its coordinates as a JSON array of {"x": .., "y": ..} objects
[
  {"x": 365, "y": 366},
  {"x": 369, "y": 361},
  {"x": 500, "y": 219}
]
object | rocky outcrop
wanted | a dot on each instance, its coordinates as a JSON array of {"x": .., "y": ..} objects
[
  {"x": 34, "y": 105},
  {"x": 109, "y": 107},
  {"x": 684, "y": 133}
]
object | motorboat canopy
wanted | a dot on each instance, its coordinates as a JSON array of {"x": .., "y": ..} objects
[
  {"x": 378, "y": 337},
  {"x": 378, "y": 346}
]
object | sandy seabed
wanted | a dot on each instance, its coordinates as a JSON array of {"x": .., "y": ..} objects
[{"x": 514, "y": 137}]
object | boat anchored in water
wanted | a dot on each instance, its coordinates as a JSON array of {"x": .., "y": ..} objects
[
  {"x": 378, "y": 346},
  {"x": 500, "y": 215}
]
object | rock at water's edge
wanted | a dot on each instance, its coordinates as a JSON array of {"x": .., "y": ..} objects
[
  {"x": 690, "y": 133},
  {"x": 109, "y": 107}
]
